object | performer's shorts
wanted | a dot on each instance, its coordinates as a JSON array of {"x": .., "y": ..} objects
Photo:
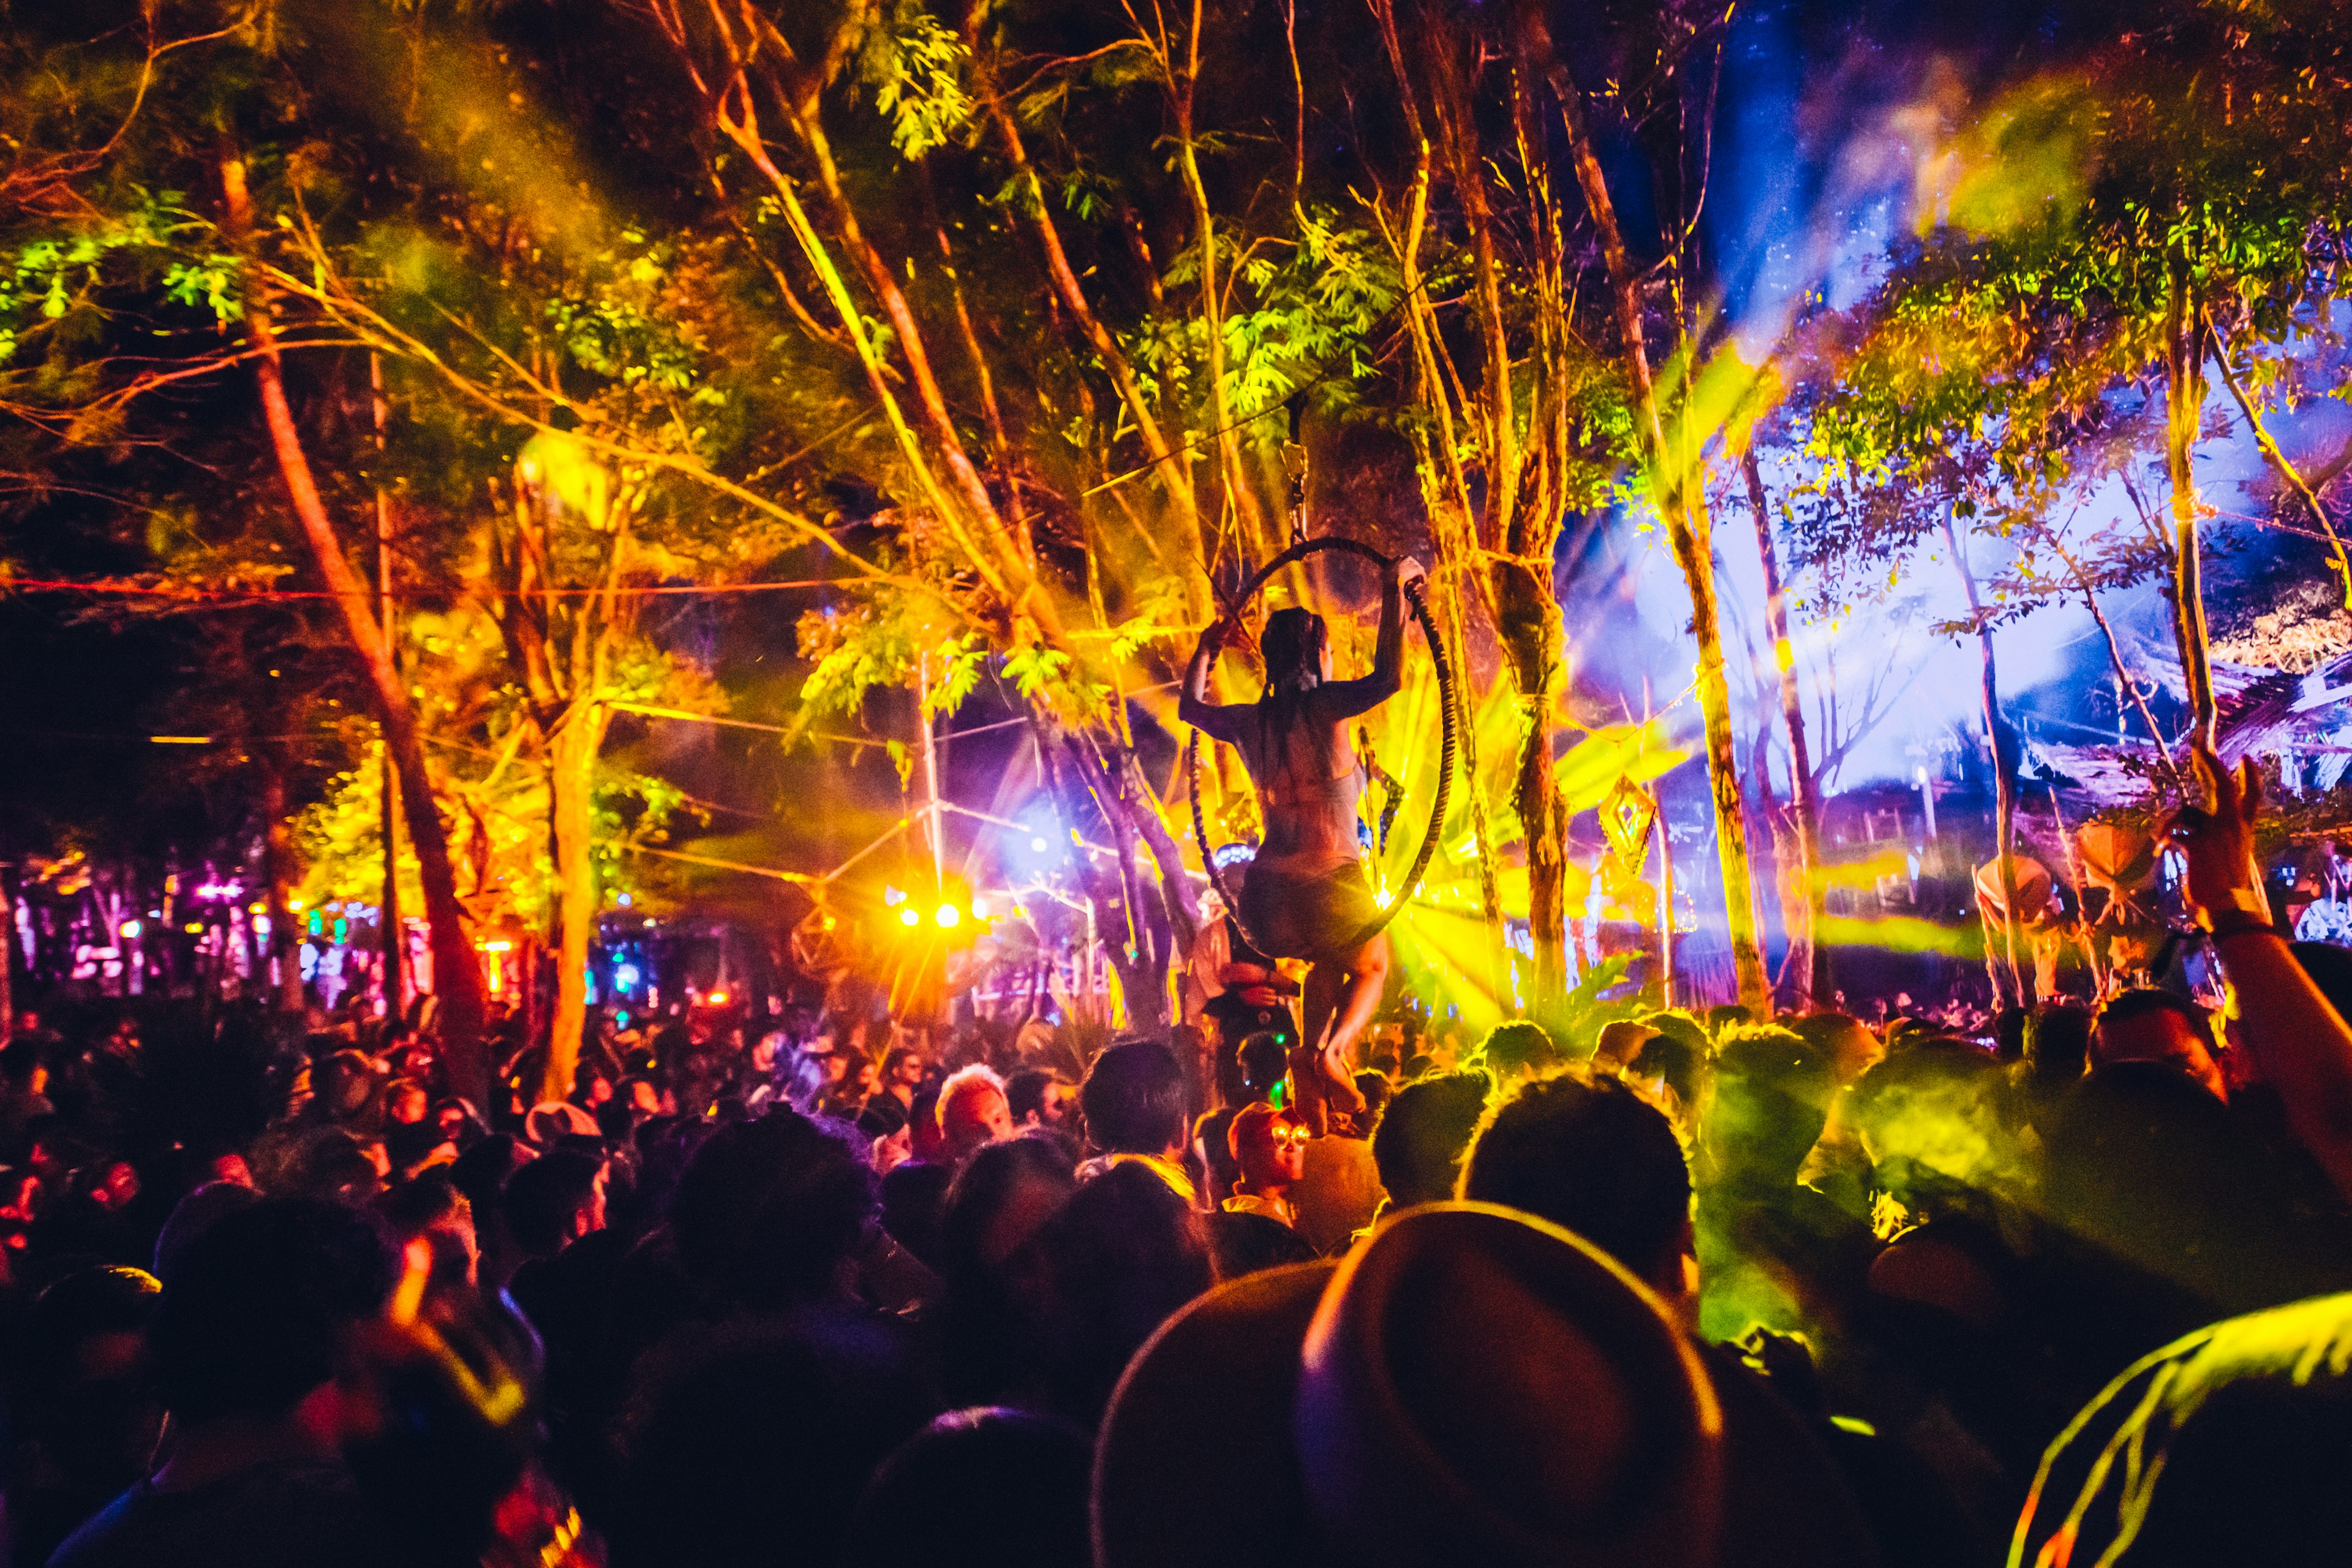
[{"x": 1311, "y": 915}]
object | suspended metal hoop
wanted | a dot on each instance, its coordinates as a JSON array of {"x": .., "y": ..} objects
[{"x": 1403, "y": 893}]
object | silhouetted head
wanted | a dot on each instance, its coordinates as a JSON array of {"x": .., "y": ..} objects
[
  {"x": 980, "y": 1487},
  {"x": 1294, "y": 645},
  {"x": 2151, "y": 1024},
  {"x": 1592, "y": 1154},
  {"x": 735, "y": 1427},
  {"x": 1772, "y": 1091},
  {"x": 997, "y": 1203},
  {"x": 1418, "y": 1148},
  {"x": 2058, "y": 1042},
  {"x": 254, "y": 1312},
  {"x": 1134, "y": 1100},
  {"x": 1518, "y": 1048},
  {"x": 768, "y": 1211},
  {"x": 1264, "y": 1059}
]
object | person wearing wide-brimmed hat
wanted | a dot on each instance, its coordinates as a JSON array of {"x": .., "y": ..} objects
[{"x": 1468, "y": 1385}]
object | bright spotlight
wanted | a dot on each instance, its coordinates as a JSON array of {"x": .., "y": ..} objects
[
  {"x": 130, "y": 929},
  {"x": 909, "y": 917},
  {"x": 1039, "y": 845},
  {"x": 717, "y": 998},
  {"x": 947, "y": 915},
  {"x": 980, "y": 908}
]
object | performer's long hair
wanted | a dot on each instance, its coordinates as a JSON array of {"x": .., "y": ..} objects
[{"x": 1292, "y": 645}]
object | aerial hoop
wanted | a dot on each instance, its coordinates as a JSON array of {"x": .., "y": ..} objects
[{"x": 1403, "y": 893}]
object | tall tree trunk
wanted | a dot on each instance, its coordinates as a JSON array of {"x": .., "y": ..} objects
[
  {"x": 2004, "y": 771},
  {"x": 1455, "y": 574},
  {"x": 1176, "y": 889},
  {"x": 388, "y": 907},
  {"x": 1676, "y": 493},
  {"x": 2184, "y": 406},
  {"x": 962, "y": 504},
  {"x": 457, "y": 975},
  {"x": 393, "y": 954},
  {"x": 1520, "y": 529},
  {"x": 573, "y": 750},
  {"x": 277, "y": 874},
  {"x": 1142, "y": 974},
  {"x": 1241, "y": 499},
  {"x": 1172, "y": 467},
  {"x": 1803, "y": 967},
  {"x": 1017, "y": 511}
]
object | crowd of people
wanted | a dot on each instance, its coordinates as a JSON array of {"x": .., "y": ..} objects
[{"x": 1718, "y": 1288}]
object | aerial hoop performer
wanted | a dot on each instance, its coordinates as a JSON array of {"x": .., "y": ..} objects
[{"x": 1309, "y": 894}]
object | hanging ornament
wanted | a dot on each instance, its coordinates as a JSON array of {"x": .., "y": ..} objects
[{"x": 1627, "y": 816}]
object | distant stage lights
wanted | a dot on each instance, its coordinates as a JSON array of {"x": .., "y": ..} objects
[
  {"x": 947, "y": 915},
  {"x": 131, "y": 930},
  {"x": 909, "y": 917}
]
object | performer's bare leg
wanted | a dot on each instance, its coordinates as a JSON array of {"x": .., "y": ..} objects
[{"x": 1342, "y": 994}]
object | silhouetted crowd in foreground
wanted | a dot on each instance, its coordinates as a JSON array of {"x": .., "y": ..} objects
[{"x": 1718, "y": 1290}]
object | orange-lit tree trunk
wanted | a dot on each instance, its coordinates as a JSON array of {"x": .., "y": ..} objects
[
  {"x": 573, "y": 748},
  {"x": 457, "y": 975},
  {"x": 1526, "y": 511},
  {"x": 1517, "y": 530},
  {"x": 1445, "y": 491},
  {"x": 1183, "y": 81},
  {"x": 1681, "y": 502},
  {"x": 562, "y": 639},
  {"x": 730, "y": 58}
]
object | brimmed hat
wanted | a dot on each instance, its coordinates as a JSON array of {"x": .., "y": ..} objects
[
  {"x": 552, "y": 1119},
  {"x": 1469, "y": 1386}
]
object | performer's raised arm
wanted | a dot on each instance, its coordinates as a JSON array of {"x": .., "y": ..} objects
[
  {"x": 1346, "y": 699},
  {"x": 1192, "y": 706}
]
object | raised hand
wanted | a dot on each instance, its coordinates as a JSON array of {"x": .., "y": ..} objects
[
  {"x": 2217, "y": 839},
  {"x": 1215, "y": 636}
]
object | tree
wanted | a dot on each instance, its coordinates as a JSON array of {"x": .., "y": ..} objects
[
  {"x": 1671, "y": 464},
  {"x": 458, "y": 979},
  {"x": 1802, "y": 968},
  {"x": 2085, "y": 234}
]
